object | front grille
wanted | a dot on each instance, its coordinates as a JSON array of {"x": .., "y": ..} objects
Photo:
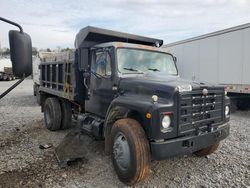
[{"x": 198, "y": 112}]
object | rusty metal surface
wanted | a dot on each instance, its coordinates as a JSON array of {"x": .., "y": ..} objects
[{"x": 130, "y": 45}]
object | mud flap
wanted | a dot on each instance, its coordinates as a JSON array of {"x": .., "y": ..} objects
[{"x": 71, "y": 148}]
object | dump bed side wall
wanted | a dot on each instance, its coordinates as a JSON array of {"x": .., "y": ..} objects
[{"x": 60, "y": 77}]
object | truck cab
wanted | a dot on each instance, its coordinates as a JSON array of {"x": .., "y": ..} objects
[
  {"x": 143, "y": 82},
  {"x": 116, "y": 66},
  {"x": 127, "y": 91}
]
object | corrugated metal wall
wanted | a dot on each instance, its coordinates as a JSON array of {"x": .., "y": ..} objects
[{"x": 222, "y": 59}]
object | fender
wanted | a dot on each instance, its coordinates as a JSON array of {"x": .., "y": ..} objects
[{"x": 120, "y": 107}]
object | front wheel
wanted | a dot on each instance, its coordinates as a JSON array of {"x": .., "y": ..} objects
[
  {"x": 207, "y": 151},
  {"x": 130, "y": 151}
]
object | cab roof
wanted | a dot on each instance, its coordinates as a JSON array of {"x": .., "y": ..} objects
[{"x": 129, "y": 45}]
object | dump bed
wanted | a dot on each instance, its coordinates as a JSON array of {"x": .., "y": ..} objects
[{"x": 58, "y": 75}]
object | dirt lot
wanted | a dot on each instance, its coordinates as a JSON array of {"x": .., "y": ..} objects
[{"x": 23, "y": 164}]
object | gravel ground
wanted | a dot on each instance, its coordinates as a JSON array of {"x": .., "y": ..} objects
[{"x": 23, "y": 164}]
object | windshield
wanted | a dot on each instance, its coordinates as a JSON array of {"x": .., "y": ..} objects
[{"x": 138, "y": 61}]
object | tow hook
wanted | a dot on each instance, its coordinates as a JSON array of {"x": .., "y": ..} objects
[
  {"x": 187, "y": 143},
  {"x": 218, "y": 134}
]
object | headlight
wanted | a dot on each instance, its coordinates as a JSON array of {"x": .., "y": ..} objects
[
  {"x": 166, "y": 121},
  {"x": 184, "y": 88},
  {"x": 225, "y": 92},
  {"x": 227, "y": 110}
]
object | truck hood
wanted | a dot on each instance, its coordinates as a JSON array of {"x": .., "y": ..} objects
[{"x": 158, "y": 84}]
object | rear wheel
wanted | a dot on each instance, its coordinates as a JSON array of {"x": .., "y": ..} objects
[
  {"x": 130, "y": 151},
  {"x": 38, "y": 97},
  {"x": 52, "y": 114},
  {"x": 233, "y": 106},
  {"x": 34, "y": 89},
  {"x": 66, "y": 110},
  {"x": 208, "y": 150},
  {"x": 243, "y": 104}
]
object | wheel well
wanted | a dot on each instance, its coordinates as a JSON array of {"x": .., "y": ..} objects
[
  {"x": 44, "y": 96},
  {"x": 133, "y": 114},
  {"x": 115, "y": 114}
]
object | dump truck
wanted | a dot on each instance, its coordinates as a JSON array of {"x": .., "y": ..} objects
[
  {"x": 125, "y": 90},
  {"x": 222, "y": 58}
]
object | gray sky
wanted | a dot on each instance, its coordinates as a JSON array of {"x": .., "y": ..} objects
[{"x": 55, "y": 23}]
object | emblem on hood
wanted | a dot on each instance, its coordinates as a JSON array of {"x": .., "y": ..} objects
[{"x": 205, "y": 91}]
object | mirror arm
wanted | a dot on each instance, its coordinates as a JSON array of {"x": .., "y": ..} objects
[
  {"x": 12, "y": 23},
  {"x": 12, "y": 87}
]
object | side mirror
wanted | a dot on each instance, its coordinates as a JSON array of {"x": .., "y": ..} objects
[
  {"x": 83, "y": 59},
  {"x": 20, "y": 53}
]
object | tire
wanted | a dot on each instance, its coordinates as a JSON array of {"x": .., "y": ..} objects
[
  {"x": 38, "y": 98},
  {"x": 52, "y": 114},
  {"x": 233, "y": 106},
  {"x": 130, "y": 151},
  {"x": 66, "y": 111},
  {"x": 34, "y": 89},
  {"x": 207, "y": 151},
  {"x": 243, "y": 105}
]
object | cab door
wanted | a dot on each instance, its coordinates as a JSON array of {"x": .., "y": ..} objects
[{"x": 101, "y": 83}]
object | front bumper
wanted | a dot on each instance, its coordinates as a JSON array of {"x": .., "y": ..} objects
[{"x": 187, "y": 145}]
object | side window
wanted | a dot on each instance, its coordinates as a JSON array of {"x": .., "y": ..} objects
[{"x": 103, "y": 64}]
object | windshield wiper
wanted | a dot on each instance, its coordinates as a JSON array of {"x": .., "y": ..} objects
[
  {"x": 133, "y": 70},
  {"x": 155, "y": 70},
  {"x": 130, "y": 69}
]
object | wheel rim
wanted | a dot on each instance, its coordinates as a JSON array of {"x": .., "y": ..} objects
[
  {"x": 48, "y": 116},
  {"x": 121, "y": 152}
]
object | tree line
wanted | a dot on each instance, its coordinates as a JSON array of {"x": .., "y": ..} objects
[{"x": 6, "y": 51}]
